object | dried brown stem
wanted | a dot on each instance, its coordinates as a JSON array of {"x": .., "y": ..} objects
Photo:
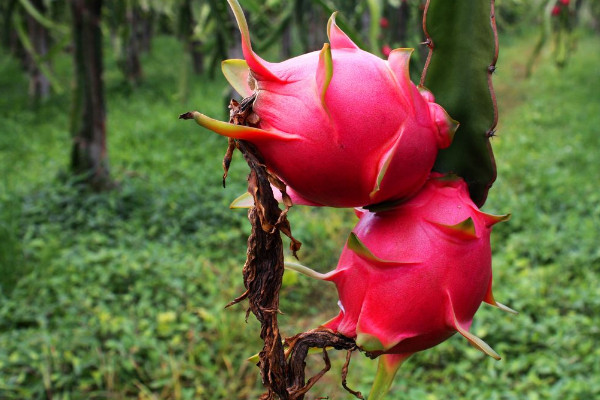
[
  {"x": 298, "y": 350},
  {"x": 283, "y": 372},
  {"x": 356, "y": 394},
  {"x": 227, "y": 159},
  {"x": 263, "y": 272}
]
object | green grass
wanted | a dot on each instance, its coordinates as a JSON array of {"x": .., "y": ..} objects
[{"x": 120, "y": 295}]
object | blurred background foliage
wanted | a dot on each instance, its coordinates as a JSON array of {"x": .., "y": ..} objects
[{"x": 119, "y": 294}]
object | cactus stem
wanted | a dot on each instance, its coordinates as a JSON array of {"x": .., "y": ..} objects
[
  {"x": 428, "y": 42},
  {"x": 493, "y": 64}
]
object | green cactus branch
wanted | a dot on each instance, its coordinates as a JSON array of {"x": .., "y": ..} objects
[{"x": 463, "y": 50}]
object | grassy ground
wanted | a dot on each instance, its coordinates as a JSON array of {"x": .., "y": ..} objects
[{"x": 121, "y": 295}]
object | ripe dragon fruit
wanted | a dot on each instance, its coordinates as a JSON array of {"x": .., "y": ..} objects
[
  {"x": 412, "y": 276},
  {"x": 341, "y": 127}
]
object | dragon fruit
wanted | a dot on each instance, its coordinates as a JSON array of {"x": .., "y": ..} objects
[
  {"x": 341, "y": 127},
  {"x": 412, "y": 276}
]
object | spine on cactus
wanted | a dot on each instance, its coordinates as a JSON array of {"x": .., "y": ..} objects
[{"x": 464, "y": 58}]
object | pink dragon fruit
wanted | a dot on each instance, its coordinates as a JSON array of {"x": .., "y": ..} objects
[
  {"x": 556, "y": 10},
  {"x": 410, "y": 277},
  {"x": 341, "y": 127}
]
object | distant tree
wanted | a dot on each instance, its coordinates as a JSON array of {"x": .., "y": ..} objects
[
  {"x": 186, "y": 26},
  {"x": 125, "y": 22},
  {"x": 39, "y": 85},
  {"x": 88, "y": 120},
  {"x": 32, "y": 36},
  {"x": 145, "y": 31}
]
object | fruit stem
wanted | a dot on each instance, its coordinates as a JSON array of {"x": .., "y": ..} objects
[{"x": 386, "y": 370}]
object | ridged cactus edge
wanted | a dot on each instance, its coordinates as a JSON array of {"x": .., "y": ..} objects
[{"x": 463, "y": 51}]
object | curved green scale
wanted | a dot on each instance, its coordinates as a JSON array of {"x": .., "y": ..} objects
[
  {"x": 464, "y": 229},
  {"x": 237, "y": 74},
  {"x": 243, "y": 201},
  {"x": 324, "y": 73},
  {"x": 360, "y": 249}
]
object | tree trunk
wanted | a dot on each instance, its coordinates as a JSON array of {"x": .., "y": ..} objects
[
  {"x": 186, "y": 32},
  {"x": 88, "y": 120},
  {"x": 145, "y": 30},
  {"x": 401, "y": 32},
  {"x": 10, "y": 38},
  {"x": 39, "y": 85},
  {"x": 316, "y": 34},
  {"x": 195, "y": 48},
  {"x": 286, "y": 42},
  {"x": 132, "y": 48}
]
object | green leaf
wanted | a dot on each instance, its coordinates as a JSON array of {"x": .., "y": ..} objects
[
  {"x": 458, "y": 71},
  {"x": 40, "y": 18}
]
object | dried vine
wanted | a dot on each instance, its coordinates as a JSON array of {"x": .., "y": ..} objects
[{"x": 282, "y": 363}]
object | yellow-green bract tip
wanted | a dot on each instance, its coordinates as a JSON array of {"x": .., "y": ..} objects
[
  {"x": 308, "y": 271},
  {"x": 237, "y": 74},
  {"x": 475, "y": 341},
  {"x": 241, "y": 21},
  {"x": 331, "y": 22},
  {"x": 236, "y": 131},
  {"x": 244, "y": 201}
]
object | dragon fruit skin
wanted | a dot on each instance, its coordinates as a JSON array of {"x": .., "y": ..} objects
[
  {"x": 341, "y": 127},
  {"x": 410, "y": 277}
]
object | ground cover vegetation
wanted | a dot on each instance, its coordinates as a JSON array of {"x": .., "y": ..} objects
[{"x": 121, "y": 294}]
